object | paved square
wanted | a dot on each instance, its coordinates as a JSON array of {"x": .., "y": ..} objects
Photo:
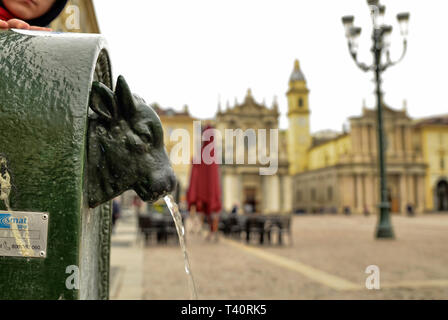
[{"x": 327, "y": 260}]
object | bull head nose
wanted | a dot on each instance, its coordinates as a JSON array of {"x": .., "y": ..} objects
[{"x": 172, "y": 182}]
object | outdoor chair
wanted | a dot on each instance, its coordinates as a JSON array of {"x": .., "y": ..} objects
[
  {"x": 288, "y": 229},
  {"x": 166, "y": 229},
  {"x": 255, "y": 225},
  {"x": 224, "y": 223},
  {"x": 236, "y": 224},
  {"x": 281, "y": 225},
  {"x": 148, "y": 226}
]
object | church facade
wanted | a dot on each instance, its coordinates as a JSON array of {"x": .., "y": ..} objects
[
  {"x": 338, "y": 173},
  {"x": 327, "y": 171},
  {"x": 242, "y": 183}
]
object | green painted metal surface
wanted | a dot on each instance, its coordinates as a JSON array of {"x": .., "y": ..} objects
[{"x": 45, "y": 81}]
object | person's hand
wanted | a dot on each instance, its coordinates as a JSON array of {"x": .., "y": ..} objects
[
  {"x": 20, "y": 24},
  {"x": 3, "y": 25}
]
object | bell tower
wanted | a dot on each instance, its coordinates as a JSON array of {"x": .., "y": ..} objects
[{"x": 299, "y": 137}]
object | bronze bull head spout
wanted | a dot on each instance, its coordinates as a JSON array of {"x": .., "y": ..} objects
[{"x": 125, "y": 147}]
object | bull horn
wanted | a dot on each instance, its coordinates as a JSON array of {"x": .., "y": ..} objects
[{"x": 125, "y": 98}]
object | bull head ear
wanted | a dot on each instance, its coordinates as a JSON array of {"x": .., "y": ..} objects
[
  {"x": 102, "y": 101},
  {"x": 125, "y": 98}
]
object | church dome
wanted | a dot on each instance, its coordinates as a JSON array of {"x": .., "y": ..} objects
[{"x": 297, "y": 74}]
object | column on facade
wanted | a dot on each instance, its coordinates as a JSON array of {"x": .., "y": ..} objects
[
  {"x": 398, "y": 138},
  {"x": 359, "y": 185},
  {"x": 286, "y": 196},
  {"x": 306, "y": 199},
  {"x": 238, "y": 190},
  {"x": 420, "y": 196},
  {"x": 371, "y": 134},
  {"x": 364, "y": 191},
  {"x": 369, "y": 195},
  {"x": 375, "y": 141},
  {"x": 356, "y": 133},
  {"x": 408, "y": 141},
  {"x": 411, "y": 190},
  {"x": 364, "y": 139},
  {"x": 404, "y": 195},
  {"x": 267, "y": 183},
  {"x": 349, "y": 192},
  {"x": 273, "y": 194},
  {"x": 263, "y": 194},
  {"x": 229, "y": 187},
  {"x": 403, "y": 139},
  {"x": 280, "y": 192},
  {"x": 373, "y": 189},
  {"x": 375, "y": 192}
]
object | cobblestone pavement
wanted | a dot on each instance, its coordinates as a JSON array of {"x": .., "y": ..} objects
[{"x": 327, "y": 260}]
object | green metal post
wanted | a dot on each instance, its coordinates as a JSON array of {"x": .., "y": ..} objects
[
  {"x": 44, "y": 95},
  {"x": 384, "y": 227}
]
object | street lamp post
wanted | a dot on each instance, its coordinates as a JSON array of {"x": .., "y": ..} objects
[{"x": 381, "y": 43}]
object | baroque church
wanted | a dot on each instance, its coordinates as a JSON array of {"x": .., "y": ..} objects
[
  {"x": 242, "y": 184},
  {"x": 338, "y": 173},
  {"x": 333, "y": 172}
]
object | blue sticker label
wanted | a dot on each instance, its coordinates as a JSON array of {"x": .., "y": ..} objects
[
  {"x": 7, "y": 219},
  {"x": 4, "y": 221}
]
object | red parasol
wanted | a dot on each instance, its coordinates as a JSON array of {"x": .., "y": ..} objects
[{"x": 204, "y": 190}]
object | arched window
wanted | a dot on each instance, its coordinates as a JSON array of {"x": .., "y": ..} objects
[{"x": 300, "y": 102}]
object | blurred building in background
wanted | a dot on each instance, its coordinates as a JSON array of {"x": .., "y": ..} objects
[
  {"x": 299, "y": 135},
  {"x": 342, "y": 171},
  {"x": 171, "y": 121},
  {"x": 326, "y": 171},
  {"x": 432, "y": 140},
  {"x": 242, "y": 184},
  {"x": 337, "y": 172}
]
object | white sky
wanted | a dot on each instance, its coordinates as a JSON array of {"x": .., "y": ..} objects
[{"x": 178, "y": 52}]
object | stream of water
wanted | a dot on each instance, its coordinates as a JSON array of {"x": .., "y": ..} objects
[{"x": 174, "y": 209}]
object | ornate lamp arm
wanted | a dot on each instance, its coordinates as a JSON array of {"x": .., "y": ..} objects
[
  {"x": 364, "y": 67},
  {"x": 389, "y": 62}
]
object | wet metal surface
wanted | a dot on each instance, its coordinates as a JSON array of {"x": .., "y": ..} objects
[{"x": 44, "y": 90}]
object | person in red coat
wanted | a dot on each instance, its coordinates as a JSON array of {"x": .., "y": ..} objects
[{"x": 29, "y": 14}]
